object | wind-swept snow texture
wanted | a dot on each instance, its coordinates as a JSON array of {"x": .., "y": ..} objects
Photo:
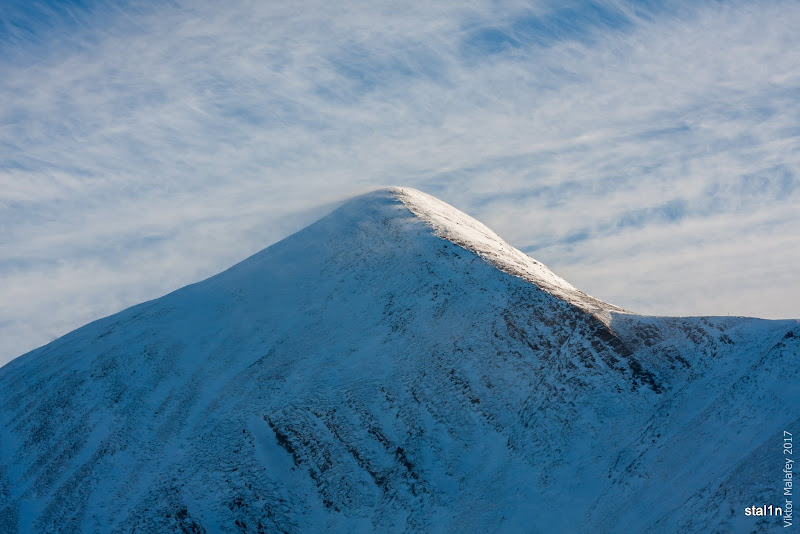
[{"x": 397, "y": 367}]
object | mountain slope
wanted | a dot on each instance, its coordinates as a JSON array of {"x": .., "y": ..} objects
[{"x": 395, "y": 367}]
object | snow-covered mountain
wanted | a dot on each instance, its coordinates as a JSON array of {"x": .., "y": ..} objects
[{"x": 397, "y": 367}]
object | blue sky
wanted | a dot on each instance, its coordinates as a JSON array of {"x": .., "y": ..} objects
[{"x": 647, "y": 152}]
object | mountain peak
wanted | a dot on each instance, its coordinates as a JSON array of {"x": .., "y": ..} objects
[{"x": 368, "y": 375}]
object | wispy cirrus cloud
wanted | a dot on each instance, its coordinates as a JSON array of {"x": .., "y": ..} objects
[{"x": 648, "y": 154}]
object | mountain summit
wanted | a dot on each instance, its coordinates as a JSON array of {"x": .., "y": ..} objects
[{"x": 397, "y": 367}]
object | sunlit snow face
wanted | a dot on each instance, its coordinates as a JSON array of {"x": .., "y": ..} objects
[{"x": 647, "y": 154}]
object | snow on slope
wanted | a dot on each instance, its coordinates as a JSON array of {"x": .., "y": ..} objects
[{"x": 367, "y": 375}]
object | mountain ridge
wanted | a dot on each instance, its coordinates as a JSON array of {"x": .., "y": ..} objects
[
  {"x": 466, "y": 232},
  {"x": 367, "y": 374}
]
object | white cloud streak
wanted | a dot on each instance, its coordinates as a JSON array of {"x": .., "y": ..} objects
[{"x": 654, "y": 163}]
